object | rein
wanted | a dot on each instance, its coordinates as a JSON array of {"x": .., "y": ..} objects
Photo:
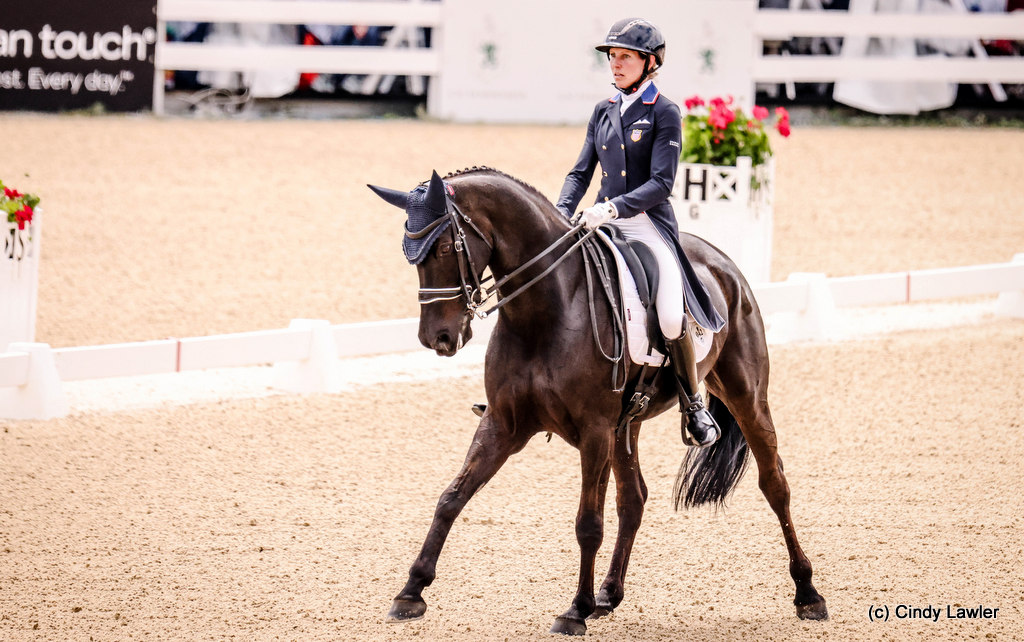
[{"x": 478, "y": 291}]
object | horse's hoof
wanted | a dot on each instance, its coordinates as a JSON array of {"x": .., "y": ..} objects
[
  {"x": 405, "y": 610},
  {"x": 599, "y": 612},
  {"x": 569, "y": 626},
  {"x": 813, "y": 611}
]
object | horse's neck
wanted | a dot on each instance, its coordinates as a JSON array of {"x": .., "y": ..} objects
[
  {"x": 522, "y": 229},
  {"x": 520, "y": 234}
]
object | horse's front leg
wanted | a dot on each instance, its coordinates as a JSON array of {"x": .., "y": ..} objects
[
  {"x": 595, "y": 458},
  {"x": 492, "y": 445},
  {"x": 630, "y": 497}
]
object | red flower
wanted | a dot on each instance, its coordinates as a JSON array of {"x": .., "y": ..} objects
[
  {"x": 12, "y": 193},
  {"x": 760, "y": 113},
  {"x": 717, "y": 140},
  {"x": 717, "y": 102},
  {"x": 24, "y": 215},
  {"x": 783, "y": 127},
  {"x": 721, "y": 116},
  {"x": 694, "y": 101},
  {"x": 782, "y": 113}
]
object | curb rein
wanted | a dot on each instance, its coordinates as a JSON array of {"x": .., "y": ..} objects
[{"x": 478, "y": 291}]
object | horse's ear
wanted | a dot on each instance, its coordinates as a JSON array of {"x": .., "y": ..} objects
[
  {"x": 393, "y": 196},
  {"x": 434, "y": 199}
]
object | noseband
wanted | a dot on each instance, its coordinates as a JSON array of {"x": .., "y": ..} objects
[
  {"x": 471, "y": 285},
  {"x": 476, "y": 290}
]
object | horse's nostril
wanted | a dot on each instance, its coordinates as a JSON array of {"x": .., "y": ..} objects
[{"x": 444, "y": 339}]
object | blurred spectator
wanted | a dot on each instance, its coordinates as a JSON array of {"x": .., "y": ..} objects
[
  {"x": 346, "y": 36},
  {"x": 357, "y": 36},
  {"x": 179, "y": 31}
]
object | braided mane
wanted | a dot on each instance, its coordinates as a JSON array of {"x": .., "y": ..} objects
[{"x": 483, "y": 168}]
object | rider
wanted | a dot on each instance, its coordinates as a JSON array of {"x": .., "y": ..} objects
[{"x": 636, "y": 137}]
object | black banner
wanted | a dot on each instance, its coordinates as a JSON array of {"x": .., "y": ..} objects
[{"x": 71, "y": 54}]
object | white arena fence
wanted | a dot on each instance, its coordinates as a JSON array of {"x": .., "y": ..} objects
[
  {"x": 783, "y": 24},
  {"x": 389, "y": 59},
  {"x": 453, "y": 75},
  {"x": 306, "y": 355}
]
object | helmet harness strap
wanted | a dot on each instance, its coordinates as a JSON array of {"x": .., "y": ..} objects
[{"x": 643, "y": 76}]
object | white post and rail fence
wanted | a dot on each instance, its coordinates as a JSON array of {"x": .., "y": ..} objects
[
  {"x": 308, "y": 356},
  {"x": 482, "y": 68}
]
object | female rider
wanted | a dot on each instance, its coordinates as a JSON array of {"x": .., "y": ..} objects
[{"x": 636, "y": 137}]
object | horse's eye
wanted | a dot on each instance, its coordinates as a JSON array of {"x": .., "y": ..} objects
[{"x": 444, "y": 248}]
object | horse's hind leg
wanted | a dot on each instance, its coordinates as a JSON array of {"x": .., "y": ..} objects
[
  {"x": 492, "y": 445},
  {"x": 630, "y": 497},
  {"x": 810, "y": 605},
  {"x": 740, "y": 378},
  {"x": 755, "y": 420}
]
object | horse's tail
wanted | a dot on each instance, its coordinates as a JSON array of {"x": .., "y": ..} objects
[{"x": 709, "y": 475}]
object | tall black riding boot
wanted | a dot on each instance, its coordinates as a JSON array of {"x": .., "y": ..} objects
[{"x": 699, "y": 427}]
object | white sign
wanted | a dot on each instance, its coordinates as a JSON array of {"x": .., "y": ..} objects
[{"x": 533, "y": 61}]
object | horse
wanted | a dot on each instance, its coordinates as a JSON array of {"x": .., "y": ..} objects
[{"x": 548, "y": 369}]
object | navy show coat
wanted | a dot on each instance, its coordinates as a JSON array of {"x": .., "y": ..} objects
[{"x": 639, "y": 155}]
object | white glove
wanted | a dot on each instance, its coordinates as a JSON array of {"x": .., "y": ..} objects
[{"x": 597, "y": 215}]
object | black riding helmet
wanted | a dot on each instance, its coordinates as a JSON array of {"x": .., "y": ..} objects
[
  {"x": 636, "y": 34},
  {"x": 641, "y": 36}
]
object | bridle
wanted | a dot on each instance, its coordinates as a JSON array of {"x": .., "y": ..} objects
[
  {"x": 472, "y": 287},
  {"x": 478, "y": 291}
]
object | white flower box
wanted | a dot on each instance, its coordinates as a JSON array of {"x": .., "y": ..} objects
[
  {"x": 724, "y": 206},
  {"x": 19, "y": 280}
]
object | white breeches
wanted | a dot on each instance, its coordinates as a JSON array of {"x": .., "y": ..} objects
[{"x": 669, "y": 299}]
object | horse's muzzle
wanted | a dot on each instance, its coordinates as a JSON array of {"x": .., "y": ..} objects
[{"x": 447, "y": 341}]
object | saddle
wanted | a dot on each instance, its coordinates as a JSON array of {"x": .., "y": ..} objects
[{"x": 638, "y": 284}]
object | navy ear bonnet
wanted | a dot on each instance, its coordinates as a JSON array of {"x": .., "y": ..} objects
[
  {"x": 427, "y": 209},
  {"x": 428, "y": 219}
]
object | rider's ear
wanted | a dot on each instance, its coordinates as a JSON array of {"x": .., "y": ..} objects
[{"x": 393, "y": 196}]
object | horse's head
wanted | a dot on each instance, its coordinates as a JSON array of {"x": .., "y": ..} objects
[{"x": 450, "y": 257}]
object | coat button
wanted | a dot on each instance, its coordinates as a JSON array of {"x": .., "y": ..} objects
[
  {"x": 622, "y": 146},
  {"x": 606, "y": 198},
  {"x": 604, "y": 147},
  {"x": 605, "y": 173},
  {"x": 623, "y": 172}
]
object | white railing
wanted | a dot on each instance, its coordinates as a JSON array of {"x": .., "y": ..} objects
[
  {"x": 419, "y": 62},
  {"x": 782, "y": 24},
  {"x": 386, "y": 60},
  {"x": 307, "y": 352},
  {"x": 914, "y": 286}
]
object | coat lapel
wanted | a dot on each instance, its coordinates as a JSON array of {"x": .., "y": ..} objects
[
  {"x": 641, "y": 107},
  {"x": 616, "y": 117},
  {"x": 635, "y": 112}
]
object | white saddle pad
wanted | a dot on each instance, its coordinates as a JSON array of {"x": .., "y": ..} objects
[{"x": 635, "y": 315}]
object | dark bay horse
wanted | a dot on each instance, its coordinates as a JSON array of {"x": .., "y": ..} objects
[{"x": 547, "y": 370}]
